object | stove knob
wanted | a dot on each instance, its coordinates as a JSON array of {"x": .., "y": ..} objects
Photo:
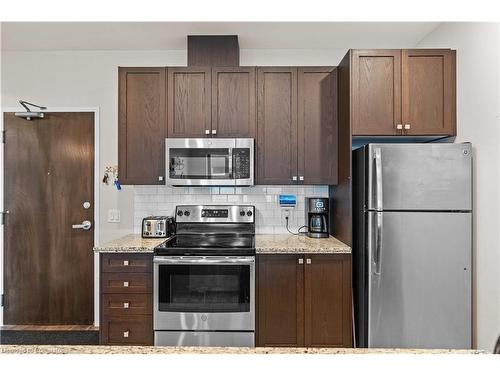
[
  {"x": 186, "y": 213},
  {"x": 242, "y": 213},
  {"x": 249, "y": 213},
  {"x": 179, "y": 213}
]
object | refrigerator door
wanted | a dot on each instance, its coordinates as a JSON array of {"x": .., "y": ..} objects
[
  {"x": 434, "y": 177},
  {"x": 419, "y": 279}
]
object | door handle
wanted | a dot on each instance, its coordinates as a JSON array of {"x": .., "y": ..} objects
[
  {"x": 301, "y": 261},
  {"x": 85, "y": 225},
  {"x": 378, "y": 179},
  {"x": 294, "y": 178},
  {"x": 207, "y": 132},
  {"x": 377, "y": 255},
  {"x": 214, "y": 131}
]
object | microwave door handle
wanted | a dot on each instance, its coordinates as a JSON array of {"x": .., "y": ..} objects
[{"x": 232, "y": 175}]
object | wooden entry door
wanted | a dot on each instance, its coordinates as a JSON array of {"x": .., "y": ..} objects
[{"x": 49, "y": 174}]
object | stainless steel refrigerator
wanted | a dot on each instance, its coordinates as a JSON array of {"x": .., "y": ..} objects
[{"x": 412, "y": 245}]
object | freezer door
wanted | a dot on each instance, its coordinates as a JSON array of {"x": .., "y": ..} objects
[
  {"x": 419, "y": 176},
  {"x": 419, "y": 280}
]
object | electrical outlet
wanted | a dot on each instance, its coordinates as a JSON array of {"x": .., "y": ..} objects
[
  {"x": 113, "y": 216},
  {"x": 286, "y": 212}
]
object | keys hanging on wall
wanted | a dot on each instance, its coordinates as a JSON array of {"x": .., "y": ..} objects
[{"x": 111, "y": 176}]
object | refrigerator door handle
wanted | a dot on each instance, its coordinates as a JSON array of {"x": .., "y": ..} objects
[
  {"x": 377, "y": 255},
  {"x": 378, "y": 179}
]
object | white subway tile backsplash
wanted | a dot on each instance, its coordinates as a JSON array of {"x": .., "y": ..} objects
[
  {"x": 226, "y": 190},
  {"x": 161, "y": 200}
]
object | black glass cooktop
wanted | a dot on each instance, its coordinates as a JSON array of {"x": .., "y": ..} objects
[{"x": 214, "y": 244}]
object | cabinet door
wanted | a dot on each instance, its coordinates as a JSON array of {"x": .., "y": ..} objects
[
  {"x": 189, "y": 112},
  {"x": 328, "y": 315},
  {"x": 233, "y": 102},
  {"x": 280, "y": 300},
  {"x": 141, "y": 125},
  {"x": 276, "y": 125},
  {"x": 376, "y": 92},
  {"x": 317, "y": 125},
  {"x": 429, "y": 92}
]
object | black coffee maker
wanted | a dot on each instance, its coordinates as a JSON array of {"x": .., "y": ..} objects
[{"x": 317, "y": 217}]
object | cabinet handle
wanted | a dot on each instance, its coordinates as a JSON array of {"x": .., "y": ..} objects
[
  {"x": 125, "y": 262},
  {"x": 125, "y": 283},
  {"x": 125, "y": 305},
  {"x": 301, "y": 261},
  {"x": 308, "y": 261},
  {"x": 160, "y": 178},
  {"x": 207, "y": 132},
  {"x": 214, "y": 131},
  {"x": 294, "y": 178},
  {"x": 399, "y": 128},
  {"x": 125, "y": 333},
  {"x": 301, "y": 178},
  {"x": 407, "y": 126}
]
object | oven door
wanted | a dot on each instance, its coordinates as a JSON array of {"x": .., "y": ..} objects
[
  {"x": 199, "y": 161},
  {"x": 212, "y": 293}
]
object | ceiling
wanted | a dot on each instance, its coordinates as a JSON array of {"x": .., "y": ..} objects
[{"x": 39, "y": 36}]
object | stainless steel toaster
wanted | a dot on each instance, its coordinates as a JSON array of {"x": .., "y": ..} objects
[{"x": 157, "y": 226}]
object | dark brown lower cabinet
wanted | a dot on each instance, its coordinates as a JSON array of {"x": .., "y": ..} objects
[
  {"x": 126, "y": 299},
  {"x": 304, "y": 300}
]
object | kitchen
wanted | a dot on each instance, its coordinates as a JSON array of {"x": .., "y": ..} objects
[{"x": 288, "y": 129}]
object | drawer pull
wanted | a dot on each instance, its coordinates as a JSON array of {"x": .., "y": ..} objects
[
  {"x": 125, "y": 283},
  {"x": 125, "y": 334},
  {"x": 125, "y": 305},
  {"x": 301, "y": 261},
  {"x": 125, "y": 262},
  {"x": 308, "y": 261}
]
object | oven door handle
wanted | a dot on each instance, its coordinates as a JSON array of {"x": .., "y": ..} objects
[{"x": 203, "y": 261}]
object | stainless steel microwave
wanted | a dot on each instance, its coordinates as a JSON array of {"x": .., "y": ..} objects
[{"x": 209, "y": 161}]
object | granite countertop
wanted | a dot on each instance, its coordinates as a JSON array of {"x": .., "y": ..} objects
[
  {"x": 264, "y": 244},
  {"x": 133, "y": 243},
  {"x": 103, "y": 349},
  {"x": 289, "y": 244}
]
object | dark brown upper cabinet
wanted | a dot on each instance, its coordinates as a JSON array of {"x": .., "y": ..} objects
[
  {"x": 189, "y": 102},
  {"x": 317, "y": 125},
  {"x": 403, "y": 92},
  {"x": 429, "y": 83},
  {"x": 376, "y": 92},
  {"x": 296, "y": 125},
  {"x": 142, "y": 125},
  {"x": 276, "y": 126},
  {"x": 213, "y": 50},
  {"x": 233, "y": 102},
  {"x": 304, "y": 300}
]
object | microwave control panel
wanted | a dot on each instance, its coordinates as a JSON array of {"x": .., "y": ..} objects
[{"x": 241, "y": 162}]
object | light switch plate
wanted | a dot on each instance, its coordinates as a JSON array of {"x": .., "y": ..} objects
[{"x": 113, "y": 216}]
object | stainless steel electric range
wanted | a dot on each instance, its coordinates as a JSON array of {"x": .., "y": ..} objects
[{"x": 204, "y": 278}]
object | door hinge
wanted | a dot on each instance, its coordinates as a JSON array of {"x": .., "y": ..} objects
[
  {"x": 2, "y": 301},
  {"x": 2, "y": 215},
  {"x": 3, "y": 136}
]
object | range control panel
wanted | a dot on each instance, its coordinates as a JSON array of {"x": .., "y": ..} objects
[{"x": 215, "y": 214}]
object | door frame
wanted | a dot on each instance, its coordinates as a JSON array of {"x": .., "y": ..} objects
[{"x": 95, "y": 110}]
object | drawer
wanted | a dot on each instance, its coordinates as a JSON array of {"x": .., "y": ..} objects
[
  {"x": 126, "y": 304},
  {"x": 126, "y": 262},
  {"x": 133, "y": 330},
  {"x": 126, "y": 283}
]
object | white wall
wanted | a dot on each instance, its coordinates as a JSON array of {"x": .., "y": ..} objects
[
  {"x": 478, "y": 109},
  {"x": 90, "y": 79}
]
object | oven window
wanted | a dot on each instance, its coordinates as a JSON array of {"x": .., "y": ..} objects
[
  {"x": 200, "y": 163},
  {"x": 204, "y": 288}
]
